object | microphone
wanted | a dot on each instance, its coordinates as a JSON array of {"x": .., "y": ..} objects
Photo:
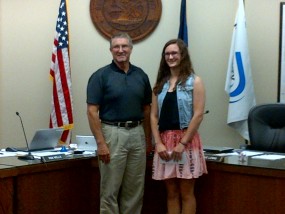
[
  {"x": 206, "y": 112},
  {"x": 29, "y": 156}
]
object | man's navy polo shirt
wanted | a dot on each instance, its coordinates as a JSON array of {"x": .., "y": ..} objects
[{"x": 121, "y": 96}]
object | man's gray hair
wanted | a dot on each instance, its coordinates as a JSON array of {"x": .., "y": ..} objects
[{"x": 122, "y": 35}]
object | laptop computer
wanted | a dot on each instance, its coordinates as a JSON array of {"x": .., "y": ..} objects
[
  {"x": 44, "y": 139},
  {"x": 86, "y": 143}
]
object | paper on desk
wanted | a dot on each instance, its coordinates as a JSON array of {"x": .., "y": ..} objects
[
  {"x": 4, "y": 153},
  {"x": 7, "y": 154},
  {"x": 244, "y": 152},
  {"x": 269, "y": 157},
  {"x": 88, "y": 153},
  {"x": 225, "y": 154},
  {"x": 40, "y": 154},
  {"x": 251, "y": 153}
]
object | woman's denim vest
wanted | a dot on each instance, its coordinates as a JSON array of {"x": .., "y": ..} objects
[{"x": 184, "y": 100}]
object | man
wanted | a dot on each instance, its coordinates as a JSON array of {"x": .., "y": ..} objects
[{"x": 118, "y": 109}]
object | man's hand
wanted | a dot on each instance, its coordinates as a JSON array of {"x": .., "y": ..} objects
[{"x": 103, "y": 153}]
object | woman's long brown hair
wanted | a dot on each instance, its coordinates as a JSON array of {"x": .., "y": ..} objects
[{"x": 186, "y": 67}]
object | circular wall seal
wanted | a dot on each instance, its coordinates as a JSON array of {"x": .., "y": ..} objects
[{"x": 138, "y": 18}]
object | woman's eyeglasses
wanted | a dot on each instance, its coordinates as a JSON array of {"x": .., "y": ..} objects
[{"x": 173, "y": 54}]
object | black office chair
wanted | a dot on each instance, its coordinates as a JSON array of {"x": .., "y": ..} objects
[{"x": 266, "y": 126}]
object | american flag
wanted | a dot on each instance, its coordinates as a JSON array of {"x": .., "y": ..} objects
[{"x": 61, "y": 112}]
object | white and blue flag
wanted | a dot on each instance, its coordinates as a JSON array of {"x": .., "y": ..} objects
[{"x": 239, "y": 85}]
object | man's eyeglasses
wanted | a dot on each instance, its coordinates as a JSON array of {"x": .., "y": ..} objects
[
  {"x": 118, "y": 47},
  {"x": 174, "y": 54}
]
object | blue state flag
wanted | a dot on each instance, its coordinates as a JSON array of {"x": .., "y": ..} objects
[
  {"x": 183, "y": 30},
  {"x": 239, "y": 84}
]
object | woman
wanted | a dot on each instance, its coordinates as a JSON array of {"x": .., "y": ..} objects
[{"x": 177, "y": 111}]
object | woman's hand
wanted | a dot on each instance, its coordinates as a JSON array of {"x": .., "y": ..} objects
[
  {"x": 177, "y": 152},
  {"x": 162, "y": 152}
]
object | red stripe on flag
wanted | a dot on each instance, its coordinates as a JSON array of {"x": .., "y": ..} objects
[
  {"x": 57, "y": 105},
  {"x": 53, "y": 57},
  {"x": 64, "y": 135},
  {"x": 65, "y": 87}
]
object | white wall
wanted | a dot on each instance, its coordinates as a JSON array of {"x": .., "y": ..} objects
[{"x": 26, "y": 36}]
